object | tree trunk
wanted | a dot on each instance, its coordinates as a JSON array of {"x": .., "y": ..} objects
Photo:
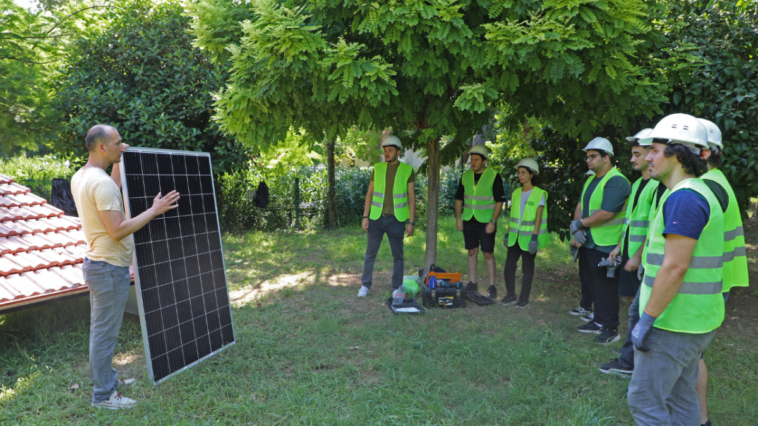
[
  {"x": 332, "y": 203},
  {"x": 432, "y": 202}
]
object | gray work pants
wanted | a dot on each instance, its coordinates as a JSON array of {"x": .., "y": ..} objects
[
  {"x": 108, "y": 291},
  {"x": 395, "y": 231},
  {"x": 662, "y": 390}
]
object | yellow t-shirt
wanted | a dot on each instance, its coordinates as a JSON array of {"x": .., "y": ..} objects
[{"x": 94, "y": 190}]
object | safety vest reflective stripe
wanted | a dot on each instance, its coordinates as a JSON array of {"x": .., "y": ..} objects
[
  {"x": 641, "y": 223},
  {"x": 692, "y": 287},
  {"x": 478, "y": 197},
  {"x": 696, "y": 262},
  {"x": 730, "y": 235},
  {"x": 479, "y": 207}
]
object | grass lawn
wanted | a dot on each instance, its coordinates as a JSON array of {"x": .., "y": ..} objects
[{"x": 309, "y": 352}]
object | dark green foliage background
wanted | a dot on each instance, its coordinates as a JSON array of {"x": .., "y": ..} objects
[{"x": 139, "y": 72}]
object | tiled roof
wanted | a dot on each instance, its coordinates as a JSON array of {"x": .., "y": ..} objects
[{"x": 41, "y": 250}]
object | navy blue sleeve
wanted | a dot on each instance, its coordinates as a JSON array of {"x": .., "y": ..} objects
[
  {"x": 685, "y": 213},
  {"x": 617, "y": 190}
]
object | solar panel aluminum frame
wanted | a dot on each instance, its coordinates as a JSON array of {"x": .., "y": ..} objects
[{"x": 143, "y": 323}]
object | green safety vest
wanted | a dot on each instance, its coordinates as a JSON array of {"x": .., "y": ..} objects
[
  {"x": 637, "y": 220},
  {"x": 698, "y": 307},
  {"x": 523, "y": 231},
  {"x": 654, "y": 205},
  {"x": 735, "y": 258},
  {"x": 609, "y": 233},
  {"x": 399, "y": 191},
  {"x": 478, "y": 199}
]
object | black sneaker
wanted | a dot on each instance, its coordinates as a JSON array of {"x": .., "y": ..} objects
[
  {"x": 472, "y": 287},
  {"x": 522, "y": 303},
  {"x": 580, "y": 312},
  {"x": 590, "y": 327},
  {"x": 608, "y": 336},
  {"x": 588, "y": 318},
  {"x": 492, "y": 292},
  {"x": 708, "y": 423},
  {"x": 615, "y": 367},
  {"x": 507, "y": 300}
]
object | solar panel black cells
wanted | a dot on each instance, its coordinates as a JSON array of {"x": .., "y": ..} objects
[{"x": 179, "y": 263}]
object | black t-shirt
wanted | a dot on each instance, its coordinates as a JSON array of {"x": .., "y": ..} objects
[
  {"x": 640, "y": 188},
  {"x": 498, "y": 191},
  {"x": 719, "y": 192}
]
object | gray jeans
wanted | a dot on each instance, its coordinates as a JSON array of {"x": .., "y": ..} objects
[
  {"x": 662, "y": 390},
  {"x": 395, "y": 231},
  {"x": 108, "y": 291}
]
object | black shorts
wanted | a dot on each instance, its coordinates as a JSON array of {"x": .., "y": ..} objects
[
  {"x": 628, "y": 282},
  {"x": 474, "y": 234}
]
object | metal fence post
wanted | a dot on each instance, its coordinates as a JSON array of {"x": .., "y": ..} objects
[{"x": 297, "y": 202}]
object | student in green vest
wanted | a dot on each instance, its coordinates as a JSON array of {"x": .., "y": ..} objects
[
  {"x": 631, "y": 246},
  {"x": 527, "y": 232},
  {"x": 597, "y": 225},
  {"x": 478, "y": 204},
  {"x": 390, "y": 209},
  {"x": 681, "y": 305},
  {"x": 735, "y": 261}
]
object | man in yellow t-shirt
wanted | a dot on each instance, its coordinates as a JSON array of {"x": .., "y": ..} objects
[{"x": 109, "y": 255}]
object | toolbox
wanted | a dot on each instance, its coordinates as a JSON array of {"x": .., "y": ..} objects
[{"x": 447, "y": 294}]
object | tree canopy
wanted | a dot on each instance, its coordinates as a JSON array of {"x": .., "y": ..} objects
[
  {"x": 430, "y": 68},
  {"x": 139, "y": 72}
]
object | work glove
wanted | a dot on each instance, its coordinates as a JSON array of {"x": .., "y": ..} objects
[
  {"x": 611, "y": 266},
  {"x": 581, "y": 236},
  {"x": 533, "y": 245},
  {"x": 576, "y": 225},
  {"x": 642, "y": 330},
  {"x": 574, "y": 252}
]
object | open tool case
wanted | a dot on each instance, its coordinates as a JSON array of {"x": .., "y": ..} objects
[{"x": 448, "y": 294}]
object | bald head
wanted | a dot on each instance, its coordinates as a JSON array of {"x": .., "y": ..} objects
[{"x": 99, "y": 133}]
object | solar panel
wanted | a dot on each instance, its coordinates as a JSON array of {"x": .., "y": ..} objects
[{"x": 179, "y": 274}]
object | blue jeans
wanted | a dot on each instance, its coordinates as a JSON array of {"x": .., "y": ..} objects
[
  {"x": 395, "y": 231},
  {"x": 108, "y": 291},
  {"x": 662, "y": 390},
  {"x": 626, "y": 358}
]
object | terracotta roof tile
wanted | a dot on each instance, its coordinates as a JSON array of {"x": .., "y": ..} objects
[
  {"x": 41, "y": 249},
  {"x": 9, "y": 266},
  {"x": 13, "y": 188}
]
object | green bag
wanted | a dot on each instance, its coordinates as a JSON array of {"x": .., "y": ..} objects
[{"x": 411, "y": 287}]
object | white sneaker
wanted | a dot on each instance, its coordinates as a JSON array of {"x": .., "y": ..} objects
[
  {"x": 363, "y": 292},
  {"x": 115, "y": 402}
]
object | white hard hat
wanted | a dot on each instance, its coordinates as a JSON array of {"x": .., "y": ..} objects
[
  {"x": 714, "y": 133},
  {"x": 529, "y": 164},
  {"x": 681, "y": 128},
  {"x": 600, "y": 144},
  {"x": 481, "y": 150},
  {"x": 642, "y": 134},
  {"x": 392, "y": 140}
]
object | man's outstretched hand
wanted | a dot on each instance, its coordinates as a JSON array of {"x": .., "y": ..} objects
[{"x": 162, "y": 204}]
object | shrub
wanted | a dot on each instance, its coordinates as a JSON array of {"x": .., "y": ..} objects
[{"x": 37, "y": 173}]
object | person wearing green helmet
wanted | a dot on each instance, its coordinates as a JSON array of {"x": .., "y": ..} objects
[
  {"x": 478, "y": 204},
  {"x": 527, "y": 232}
]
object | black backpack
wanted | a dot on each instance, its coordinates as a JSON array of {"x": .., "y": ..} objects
[
  {"x": 261, "y": 198},
  {"x": 62, "y": 197}
]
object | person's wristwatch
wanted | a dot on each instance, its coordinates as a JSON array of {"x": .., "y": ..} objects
[
  {"x": 494, "y": 222},
  {"x": 412, "y": 223}
]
